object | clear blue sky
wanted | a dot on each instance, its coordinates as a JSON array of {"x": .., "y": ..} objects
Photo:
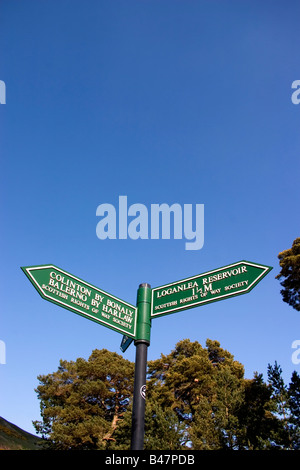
[{"x": 162, "y": 101}]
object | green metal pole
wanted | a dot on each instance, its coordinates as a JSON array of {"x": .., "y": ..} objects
[{"x": 142, "y": 341}]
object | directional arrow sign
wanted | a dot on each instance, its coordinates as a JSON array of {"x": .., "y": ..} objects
[
  {"x": 125, "y": 343},
  {"x": 72, "y": 293},
  {"x": 235, "y": 279}
]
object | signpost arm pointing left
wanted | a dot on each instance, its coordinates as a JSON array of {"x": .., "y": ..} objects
[{"x": 72, "y": 293}]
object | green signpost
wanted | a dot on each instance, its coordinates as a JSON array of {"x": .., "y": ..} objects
[
  {"x": 219, "y": 284},
  {"x": 134, "y": 323},
  {"x": 72, "y": 293}
]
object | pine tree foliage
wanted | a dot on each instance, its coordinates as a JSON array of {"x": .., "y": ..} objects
[
  {"x": 257, "y": 423},
  {"x": 286, "y": 402},
  {"x": 294, "y": 404},
  {"x": 289, "y": 261},
  {"x": 197, "y": 398},
  {"x": 204, "y": 387},
  {"x": 82, "y": 402}
]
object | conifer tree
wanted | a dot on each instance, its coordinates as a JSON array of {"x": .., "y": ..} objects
[
  {"x": 196, "y": 398},
  {"x": 280, "y": 398},
  {"x": 290, "y": 270},
  {"x": 82, "y": 402},
  {"x": 257, "y": 424},
  {"x": 294, "y": 403},
  {"x": 204, "y": 387}
]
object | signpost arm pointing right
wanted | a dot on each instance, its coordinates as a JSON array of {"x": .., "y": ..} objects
[{"x": 142, "y": 341}]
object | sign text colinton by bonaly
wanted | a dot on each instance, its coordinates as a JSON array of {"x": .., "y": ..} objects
[{"x": 70, "y": 292}]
